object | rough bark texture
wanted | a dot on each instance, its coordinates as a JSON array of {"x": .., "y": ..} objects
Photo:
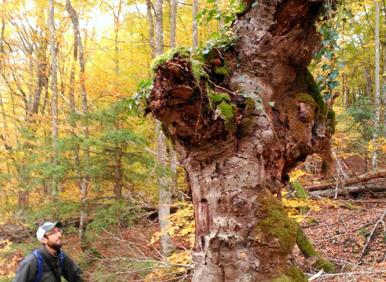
[{"x": 239, "y": 129}]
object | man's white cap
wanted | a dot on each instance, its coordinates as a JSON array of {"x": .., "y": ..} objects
[{"x": 46, "y": 227}]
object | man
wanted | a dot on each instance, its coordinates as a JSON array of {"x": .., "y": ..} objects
[{"x": 48, "y": 263}]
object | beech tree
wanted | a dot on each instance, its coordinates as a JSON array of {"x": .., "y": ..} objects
[{"x": 241, "y": 114}]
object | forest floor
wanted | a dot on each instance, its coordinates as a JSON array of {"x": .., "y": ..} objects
[{"x": 339, "y": 230}]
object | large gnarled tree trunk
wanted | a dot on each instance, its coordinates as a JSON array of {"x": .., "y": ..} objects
[{"x": 240, "y": 124}]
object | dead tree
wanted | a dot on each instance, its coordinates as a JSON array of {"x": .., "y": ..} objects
[{"x": 241, "y": 116}]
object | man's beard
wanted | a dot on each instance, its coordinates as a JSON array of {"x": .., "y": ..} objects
[{"x": 55, "y": 246}]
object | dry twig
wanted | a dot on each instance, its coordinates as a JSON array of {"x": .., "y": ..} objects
[{"x": 372, "y": 234}]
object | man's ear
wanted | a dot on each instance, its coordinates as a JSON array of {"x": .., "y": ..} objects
[{"x": 44, "y": 240}]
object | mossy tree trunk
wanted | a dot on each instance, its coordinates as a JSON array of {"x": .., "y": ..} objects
[{"x": 240, "y": 123}]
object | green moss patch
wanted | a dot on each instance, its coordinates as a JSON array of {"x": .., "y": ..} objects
[
  {"x": 315, "y": 91},
  {"x": 293, "y": 274},
  {"x": 299, "y": 190},
  {"x": 181, "y": 52},
  {"x": 324, "y": 264},
  {"x": 216, "y": 98},
  {"x": 306, "y": 98},
  {"x": 304, "y": 244},
  {"x": 222, "y": 103},
  {"x": 331, "y": 120},
  {"x": 277, "y": 224},
  {"x": 198, "y": 70},
  {"x": 308, "y": 250},
  {"x": 228, "y": 113},
  {"x": 223, "y": 70}
]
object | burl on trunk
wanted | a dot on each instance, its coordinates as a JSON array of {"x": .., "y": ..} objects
[{"x": 240, "y": 117}]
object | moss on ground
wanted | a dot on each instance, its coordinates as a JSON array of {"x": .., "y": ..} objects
[
  {"x": 324, "y": 264},
  {"x": 299, "y": 190}
]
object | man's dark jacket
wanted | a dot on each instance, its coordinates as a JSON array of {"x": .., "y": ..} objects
[{"x": 52, "y": 271}]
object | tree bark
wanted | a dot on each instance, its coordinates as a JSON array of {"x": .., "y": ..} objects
[
  {"x": 163, "y": 179},
  {"x": 83, "y": 179},
  {"x": 150, "y": 21},
  {"x": 377, "y": 96},
  {"x": 383, "y": 93},
  {"x": 117, "y": 23},
  {"x": 159, "y": 32},
  {"x": 54, "y": 97},
  {"x": 42, "y": 78},
  {"x": 173, "y": 23},
  {"x": 238, "y": 134}
]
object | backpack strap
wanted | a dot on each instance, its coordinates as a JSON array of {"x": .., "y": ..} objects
[
  {"x": 61, "y": 259},
  {"x": 39, "y": 270}
]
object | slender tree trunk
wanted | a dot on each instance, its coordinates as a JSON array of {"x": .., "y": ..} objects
[
  {"x": 117, "y": 23},
  {"x": 164, "y": 185},
  {"x": 118, "y": 154},
  {"x": 118, "y": 174},
  {"x": 173, "y": 170},
  {"x": 172, "y": 152},
  {"x": 173, "y": 23},
  {"x": 366, "y": 73},
  {"x": 377, "y": 96},
  {"x": 344, "y": 91},
  {"x": 238, "y": 147},
  {"x": 83, "y": 178},
  {"x": 195, "y": 25},
  {"x": 159, "y": 32},
  {"x": 54, "y": 97},
  {"x": 42, "y": 79},
  {"x": 384, "y": 69},
  {"x": 149, "y": 7}
]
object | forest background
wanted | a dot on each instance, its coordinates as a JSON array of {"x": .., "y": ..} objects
[{"x": 76, "y": 145}]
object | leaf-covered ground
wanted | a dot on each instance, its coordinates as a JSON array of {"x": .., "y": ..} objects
[{"x": 339, "y": 231}]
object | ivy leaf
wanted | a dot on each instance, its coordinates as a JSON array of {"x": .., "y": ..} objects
[
  {"x": 333, "y": 84},
  {"x": 333, "y": 74}
]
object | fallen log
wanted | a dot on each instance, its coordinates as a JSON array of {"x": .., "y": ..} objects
[
  {"x": 342, "y": 191},
  {"x": 348, "y": 182}
]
